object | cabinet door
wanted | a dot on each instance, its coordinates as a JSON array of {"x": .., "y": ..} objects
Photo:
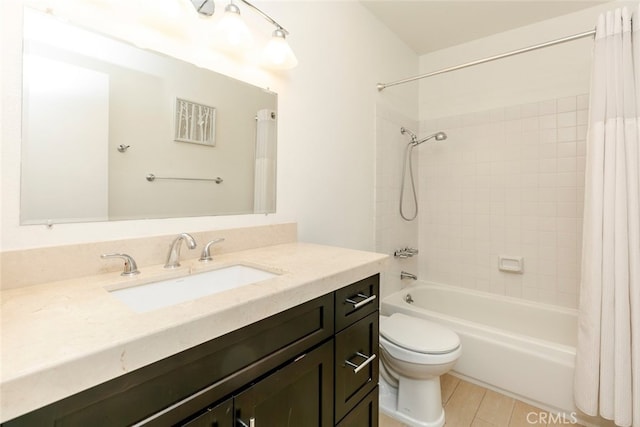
[
  {"x": 299, "y": 394},
  {"x": 356, "y": 363},
  {"x": 365, "y": 414},
  {"x": 218, "y": 416}
]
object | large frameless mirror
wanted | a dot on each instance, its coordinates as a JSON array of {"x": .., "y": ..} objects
[{"x": 114, "y": 132}]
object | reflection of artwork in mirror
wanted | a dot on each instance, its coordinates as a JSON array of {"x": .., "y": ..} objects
[
  {"x": 195, "y": 123},
  {"x": 85, "y": 96}
]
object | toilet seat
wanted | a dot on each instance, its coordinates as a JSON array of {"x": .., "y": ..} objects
[
  {"x": 417, "y": 340},
  {"x": 405, "y": 355}
]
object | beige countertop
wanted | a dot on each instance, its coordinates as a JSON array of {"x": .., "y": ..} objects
[{"x": 60, "y": 338}]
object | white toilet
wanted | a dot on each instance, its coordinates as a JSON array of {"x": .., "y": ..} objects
[{"x": 414, "y": 353}]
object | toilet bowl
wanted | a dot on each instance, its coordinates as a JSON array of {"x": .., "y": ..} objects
[{"x": 414, "y": 354}]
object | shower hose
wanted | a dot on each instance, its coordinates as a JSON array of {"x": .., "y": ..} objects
[{"x": 408, "y": 156}]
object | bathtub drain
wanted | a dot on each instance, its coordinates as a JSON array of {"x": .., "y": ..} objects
[{"x": 408, "y": 299}]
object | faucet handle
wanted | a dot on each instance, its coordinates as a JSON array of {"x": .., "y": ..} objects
[
  {"x": 130, "y": 266},
  {"x": 206, "y": 252},
  {"x": 405, "y": 252}
]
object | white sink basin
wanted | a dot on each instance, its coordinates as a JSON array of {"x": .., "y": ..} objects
[{"x": 173, "y": 291}]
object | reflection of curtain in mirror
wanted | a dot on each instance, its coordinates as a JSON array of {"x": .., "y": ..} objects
[{"x": 264, "y": 200}]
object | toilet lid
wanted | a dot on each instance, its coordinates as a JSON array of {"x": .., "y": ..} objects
[{"x": 418, "y": 335}]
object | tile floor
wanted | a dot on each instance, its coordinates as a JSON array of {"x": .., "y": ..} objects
[{"x": 470, "y": 405}]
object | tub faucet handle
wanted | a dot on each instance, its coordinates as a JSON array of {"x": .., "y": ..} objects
[
  {"x": 405, "y": 252},
  {"x": 400, "y": 254}
]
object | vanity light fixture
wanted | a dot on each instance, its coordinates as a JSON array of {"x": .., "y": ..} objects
[{"x": 277, "y": 53}]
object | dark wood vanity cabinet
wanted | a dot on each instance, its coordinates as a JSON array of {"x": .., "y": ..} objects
[{"x": 312, "y": 365}]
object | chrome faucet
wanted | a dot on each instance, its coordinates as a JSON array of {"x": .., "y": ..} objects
[
  {"x": 173, "y": 258},
  {"x": 206, "y": 252},
  {"x": 405, "y": 275}
]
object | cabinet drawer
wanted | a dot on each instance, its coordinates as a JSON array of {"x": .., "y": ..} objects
[
  {"x": 365, "y": 414},
  {"x": 356, "y": 363},
  {"x": 357, "y": 301}
]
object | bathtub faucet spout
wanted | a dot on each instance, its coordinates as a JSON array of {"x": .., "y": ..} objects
[{"x": 405, "y": 275}]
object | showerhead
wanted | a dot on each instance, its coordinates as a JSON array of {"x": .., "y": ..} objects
[{"x": 439, "y": 136}]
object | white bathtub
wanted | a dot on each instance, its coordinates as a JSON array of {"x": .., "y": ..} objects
[{"x": 525, "y": 349}]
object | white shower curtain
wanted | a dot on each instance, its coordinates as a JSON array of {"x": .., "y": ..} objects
[{"x": 607, "y": 377}]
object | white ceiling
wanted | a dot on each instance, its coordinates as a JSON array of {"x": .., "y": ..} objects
[{"x": 429, "y": 25}]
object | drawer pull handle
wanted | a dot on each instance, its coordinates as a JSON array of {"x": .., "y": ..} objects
[
  {"x": 252, "y": 422},
  {"x": 358, "y": 368},
  {"x": 365, "y": 301}
]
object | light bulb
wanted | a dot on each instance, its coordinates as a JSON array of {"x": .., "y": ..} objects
[
  {"x": 232, "y": 32},
  {"x": 278, "y": 54}
]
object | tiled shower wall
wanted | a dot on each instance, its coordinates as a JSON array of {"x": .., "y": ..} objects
[{"x": 508, "y": 181}]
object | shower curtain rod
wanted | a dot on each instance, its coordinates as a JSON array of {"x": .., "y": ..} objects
[{"x": 382, "y": 86}]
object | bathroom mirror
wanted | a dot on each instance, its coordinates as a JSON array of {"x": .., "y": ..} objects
[{"x": 115, "y": 132}]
